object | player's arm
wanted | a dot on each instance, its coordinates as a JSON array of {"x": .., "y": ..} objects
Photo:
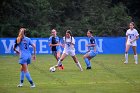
[
  {"x": 92, "y": 43},
  {"x": 57, "y": 44},
  {"x": 54, "y": 44},
  {"x": 137, "y": 37},
  {"x": 34, "y": 49},
  {"x": 95, "y": 49},
  {"x": 73, "y": 41},
  {"x": 15, "y": 46},
  {"x": 126, "y": 36},
  {"x": 34, "y": 53},
  {"x": 63, "y": 42}
]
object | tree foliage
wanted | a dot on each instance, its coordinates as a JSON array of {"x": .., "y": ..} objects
[{"x": 40, "y": 16}]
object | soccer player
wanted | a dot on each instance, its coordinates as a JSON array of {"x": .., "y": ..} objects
[
  {"x": 92, "y": 52},
  {"x": 132, "y": 36},
  {"x": 23, "y": 43},
  {"x": 54, "y": 43},
  {"x": 69, "y": 49}
]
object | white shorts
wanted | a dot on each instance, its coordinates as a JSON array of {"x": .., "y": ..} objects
[
  {"x": 69, "y": 52},
  {"x": 131, "y": 44}
]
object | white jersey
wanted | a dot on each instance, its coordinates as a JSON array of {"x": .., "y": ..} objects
[
  {"x": 132, "y": 34},
  {"x": 69, "y": 43},
  {"x": 69, "y": 46}
]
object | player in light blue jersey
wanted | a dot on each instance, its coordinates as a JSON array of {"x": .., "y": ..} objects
[
  {"x": 23, "y": 43},
  {"x": 92, "y": 52},
  {"x": 54, "y": 43}
]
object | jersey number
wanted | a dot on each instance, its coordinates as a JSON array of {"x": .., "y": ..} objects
[
  {"x": 68, "y": 44},
  {"x": 25, "y": 45}
]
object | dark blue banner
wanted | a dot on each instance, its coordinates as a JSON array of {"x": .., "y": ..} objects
[{"x": 105, "y": 45}]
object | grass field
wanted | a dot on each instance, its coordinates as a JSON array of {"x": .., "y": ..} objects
[{"x": 108, "y": 75}]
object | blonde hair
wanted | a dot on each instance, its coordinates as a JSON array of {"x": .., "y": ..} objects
[{"x": 20, "y": 35}]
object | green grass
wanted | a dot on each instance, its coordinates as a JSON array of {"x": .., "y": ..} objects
[{"x": 108, "y": 75}]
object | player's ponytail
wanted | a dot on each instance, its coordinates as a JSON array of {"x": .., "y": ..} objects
[{"x": 20, "y": 35}]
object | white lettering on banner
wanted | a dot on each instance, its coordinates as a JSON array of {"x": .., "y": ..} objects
[
  {"x": 99, "y": 46},
  {"x": 43, "y": 46},
  {"x": 80, "y": 45},
  {"x": 34, "y": 42},
  {"x": 85, "y": 41},
  {"x": 9, "y": 47}
]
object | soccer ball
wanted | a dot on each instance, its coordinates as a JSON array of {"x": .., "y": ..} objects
[{"x": 52, "y": 69}]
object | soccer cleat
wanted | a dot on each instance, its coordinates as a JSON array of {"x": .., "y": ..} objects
[
  {"x": 126, "y": 62},
  {"x": 88, "y": 68},
  {"x": 61, "y": 67},
  {"x": 20, "y": 85},
  {"x": 33, "y": 86},
  {"x": 81, "y": 69},
  {"x": 136, "y": 62}
]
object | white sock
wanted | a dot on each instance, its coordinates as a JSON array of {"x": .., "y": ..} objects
[
  {"x": 79, "y": 65},
  {"x": 126, "y": 57},
  {"x": 136, "y": 58},
  {"x": 59, "y": 63}
]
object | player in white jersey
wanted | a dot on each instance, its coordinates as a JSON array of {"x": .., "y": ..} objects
[
  {"x": 132, "y": 36},
  {"x": 68, "y": 44}
]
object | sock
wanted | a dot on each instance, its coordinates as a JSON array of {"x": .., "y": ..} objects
[
  {"x": 79, "y": 65},
  {"x": 87, "y": 62},
  {"x": 136, "y": 58},
  {"x": 126, "y": 57},
  {"x": 27, "y": 74},
  {"x": 21, "y": 76},
  {"x": 58, "y": 58},
  {"x": 59, "y": 62}
]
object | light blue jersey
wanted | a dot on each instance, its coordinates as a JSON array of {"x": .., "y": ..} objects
[
  {"x": 91, "y": 52},
  {"x": 25, "y": 55},
  {"x": 55, "y": 40}
]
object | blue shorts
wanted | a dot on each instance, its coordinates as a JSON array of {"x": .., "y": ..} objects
[
  {"x": 24, "y": 60},
  {"x": 55, "y": 52},
  {"x": 59, "y": 50},
  {"x": 92, "y": 53}
]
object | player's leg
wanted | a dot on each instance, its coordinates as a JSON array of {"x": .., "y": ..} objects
[
  {"x": 87, "y": 61},
  {"x": 27, "y": 74},
  {"x": 58, "y": 55},
  {"x": 63, "y": 56},
  {"x": 21, "y": 61},
  {"x": 126, "y": 53},
  {"x": 21, "y": 78},
  {"x": 135, "y": 54},
  {"x": 77, "y": 62},
  {"x": 61, "y": 67},
  {"x": 55, "y": 54}
]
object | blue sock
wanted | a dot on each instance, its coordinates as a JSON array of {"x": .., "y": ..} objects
[
  {"x": 87, "y": 62},
  {"x": 58, "y": 58},
  {"x": 27, "y": 74},
  {"x": 21, "y": 76}
]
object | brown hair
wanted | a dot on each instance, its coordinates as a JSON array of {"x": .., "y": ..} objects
[
  {"x": 132, "y": 23},
  {"x": 69, "y": 31},
  {"x": 21, "y": 34},
  {"x": 90, "y": 31}
]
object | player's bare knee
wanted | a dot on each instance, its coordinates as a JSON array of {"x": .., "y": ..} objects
[
  {"x": 126, "y": 52},
  {"x": 84, "y": 57},
  {"x": 135, "y": 53},
  {"x": 62, "y": 59}
]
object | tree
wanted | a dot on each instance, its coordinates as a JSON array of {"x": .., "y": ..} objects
[{"x": 40, "y": 16}]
